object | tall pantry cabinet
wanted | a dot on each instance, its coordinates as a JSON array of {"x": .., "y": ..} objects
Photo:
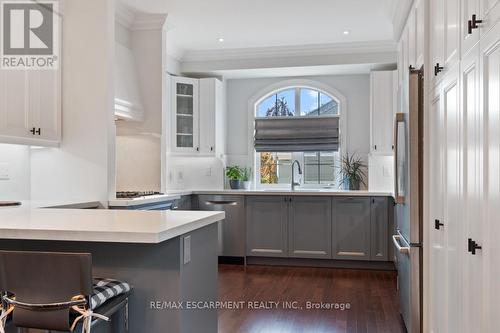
[{"x": 463, "y": 155}]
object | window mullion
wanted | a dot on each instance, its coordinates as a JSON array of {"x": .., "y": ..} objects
[{"x": 297, "y": 102}]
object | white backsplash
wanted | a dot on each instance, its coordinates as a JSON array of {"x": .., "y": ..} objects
[{"x": 381, "y": 173}]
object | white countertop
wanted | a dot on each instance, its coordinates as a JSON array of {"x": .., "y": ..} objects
[
  {"x": 299, "y": 192},
  {"x": 128, "y": 202},
  {"x": 28, "y": 222}
]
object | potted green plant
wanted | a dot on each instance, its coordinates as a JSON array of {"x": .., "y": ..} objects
[
  {"x": 246, "y": 174},
  {"x": 352, "y": 172},
  {"x": 235, "y": 175}
]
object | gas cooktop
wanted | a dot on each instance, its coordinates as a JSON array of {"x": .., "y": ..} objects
[{"x": 135, "y": 194}]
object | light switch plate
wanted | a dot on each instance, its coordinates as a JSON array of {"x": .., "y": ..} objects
[
  {"x": 187, "y": 249},
  {"x": 4, "y": 171}
]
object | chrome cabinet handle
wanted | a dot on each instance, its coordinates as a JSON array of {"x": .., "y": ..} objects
[
  {"x": 222, "y": 203},
  {"x": 397, "y": 245}
]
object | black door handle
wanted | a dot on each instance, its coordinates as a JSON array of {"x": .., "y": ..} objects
[
  {"x": 438, "y": 224},
  {"x": 472, "y": 246}
]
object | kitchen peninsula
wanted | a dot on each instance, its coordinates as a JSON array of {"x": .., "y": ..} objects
[{"x": 167, "y": 256}]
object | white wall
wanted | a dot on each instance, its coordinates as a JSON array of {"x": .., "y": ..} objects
[
  {"x": 356, "y": 89},
  {"x": 195, "y": 173},
  {"x": 16, "y": 160},
  {"x": 82, "y": 169}
]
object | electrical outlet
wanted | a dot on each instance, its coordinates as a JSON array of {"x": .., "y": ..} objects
[
  {"x": 4, "y": 171},
  {"x": 187, "y": 250}
]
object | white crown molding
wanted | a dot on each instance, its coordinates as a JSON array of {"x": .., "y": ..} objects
[
  {"x": 149, "y": 21},
  {"x": 290, "y": 51},
  {"x": 400, "y": 10},
  {"x": 124, "y": 15}
]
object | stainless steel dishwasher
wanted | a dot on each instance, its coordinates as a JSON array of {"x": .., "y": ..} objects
[{"x": 232, "y": 228}]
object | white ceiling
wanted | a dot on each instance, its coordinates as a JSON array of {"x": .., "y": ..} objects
[{"x": 197, "y": 24}]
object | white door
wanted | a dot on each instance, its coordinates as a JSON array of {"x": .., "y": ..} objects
[
  {"x": 185, "y": 115},
  {"x": 453, "y": 190},
  {"x": 490, "y": 79},
  {"x": 45, "y": 104},
  {"x": 14, "y": 104},
  {"x": 468, "y": 38},
  {"x": 438, "y": 262},
  {"x": 473, "y": 192}
]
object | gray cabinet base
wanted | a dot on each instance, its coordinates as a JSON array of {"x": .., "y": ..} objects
[
  {"x": 157, "y": 273},
  {"x": 351, "y": 264}
]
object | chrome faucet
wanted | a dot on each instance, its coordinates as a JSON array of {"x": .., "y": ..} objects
[{"x": 294, "y": 183}]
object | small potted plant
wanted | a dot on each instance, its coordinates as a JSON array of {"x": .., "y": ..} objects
[
  {"x": 352, "y": 172},
  {"x": 235, "y": 175},
  {"x": 246, "y": 173}
]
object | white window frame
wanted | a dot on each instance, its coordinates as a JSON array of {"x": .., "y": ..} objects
[{"x": 281, "y": 86}]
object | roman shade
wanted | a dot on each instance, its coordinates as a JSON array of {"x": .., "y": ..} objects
[{"x": 296, "y": 134}]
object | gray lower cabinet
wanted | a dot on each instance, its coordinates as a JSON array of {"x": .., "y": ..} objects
[
  {"x": 379, "y": 229},
  {"x": 267, "y": 226},
  {"x": 310, "y": 227},
  {"x": 351, "y": 228}
]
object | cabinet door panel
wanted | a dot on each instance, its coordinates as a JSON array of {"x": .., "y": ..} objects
[
  {"x": 473, "y": 190},
  {"x": 310, "y": 227},
  {"x": 437, "y": 31},
  {"x": 420, "y": 26},
  {"x": 490, "y": 14},
  {"x": 452, "y": 32},
  {"x": 469, "y": 8},
  {"x": 351, "y": 228},
  {"x": 185, "y": 105},
  {"x": 490, "y": 79},
  {"x": 454, "y": 192},
  {"x": 379, "y": 229},
  {"x": 45, "y": 103},
  {"x": 267, "y": 230},
  {"x": 14, "y": 104},
  {"x": 381, "y": 113},
  {"x": 437, "y": 259},
  {"x": 207, "y": 116}
]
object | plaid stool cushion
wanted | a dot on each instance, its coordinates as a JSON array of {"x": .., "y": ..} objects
[{"x": 106, "y": 289}]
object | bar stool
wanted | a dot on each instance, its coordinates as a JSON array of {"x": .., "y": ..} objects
[{"x": 56, "y": 292}]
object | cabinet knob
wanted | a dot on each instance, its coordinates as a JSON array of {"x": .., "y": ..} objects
[
  {"x": 438, "y": 69},
  {"x": 438, "y": 224},
  {"x": 35, "y": 131},
  {"x": 472, "y": 246},
  {"x": 197, "y": 148},
  {"x": 211, "y": 148}
]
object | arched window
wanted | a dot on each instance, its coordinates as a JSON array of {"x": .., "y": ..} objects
[{"x": 319, "y": 167}]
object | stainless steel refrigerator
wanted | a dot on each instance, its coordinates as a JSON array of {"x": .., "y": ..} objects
[{"x": 408, "y": 164}]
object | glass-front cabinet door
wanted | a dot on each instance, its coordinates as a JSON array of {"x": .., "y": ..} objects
[{"x": 186, "y": 112}]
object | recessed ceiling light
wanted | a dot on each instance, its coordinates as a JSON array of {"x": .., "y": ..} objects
[
  {"x": 221, "y": 40},
  {"x": 346, "y": 32}
]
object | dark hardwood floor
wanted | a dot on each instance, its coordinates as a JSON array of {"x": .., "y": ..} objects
[{"x": 371, "y": 295}]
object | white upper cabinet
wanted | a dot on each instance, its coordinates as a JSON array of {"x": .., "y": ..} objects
[
  {"x": 30, "y": 107},
  {"x": 469, "y": 34},
  {"x": 212, "y": 117},
  {"x": 381, "y": 111},
  {"x": 489, "y": 14},
  {"x": 128, "y": 102},
  {"x": 185, "y": 115},
  {"x": 198, "y": 117},
  {"x": 445, "y": 35},
  {"x": 420, "y": 31}
]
